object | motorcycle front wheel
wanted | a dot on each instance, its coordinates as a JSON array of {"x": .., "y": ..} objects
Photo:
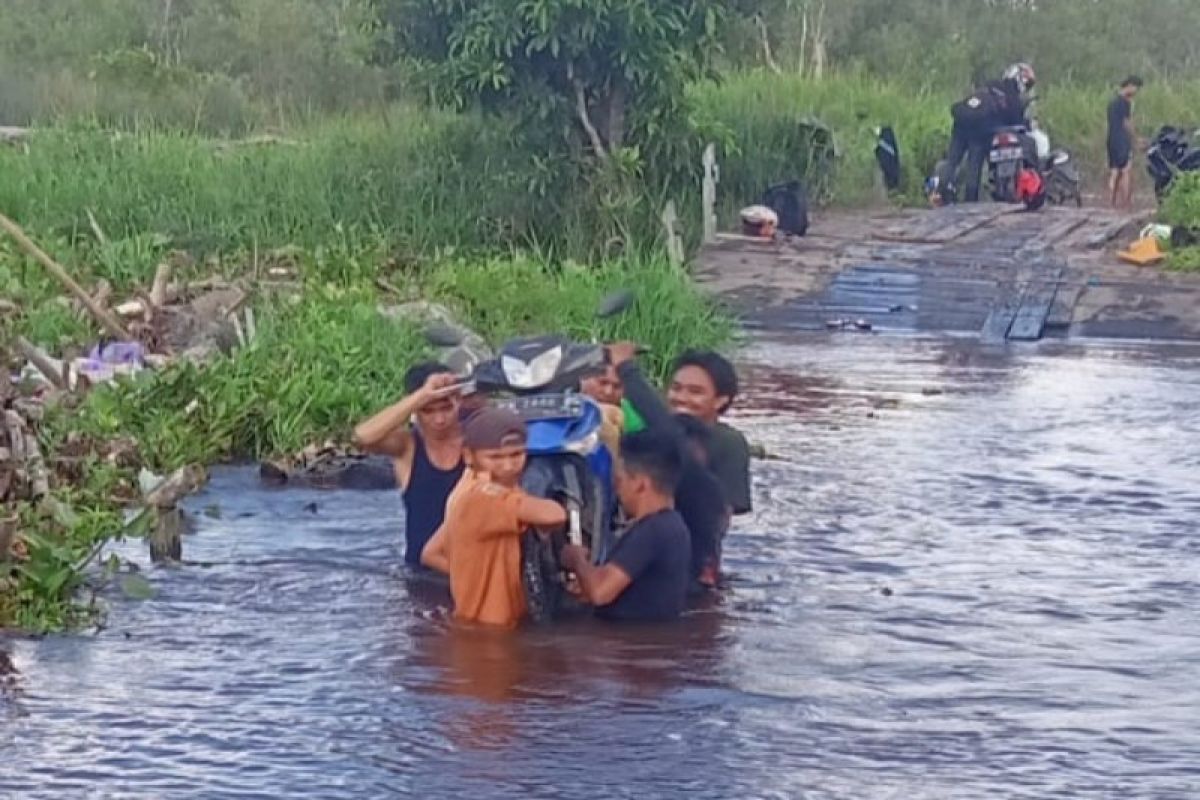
[{"x": 541, "y": 577}]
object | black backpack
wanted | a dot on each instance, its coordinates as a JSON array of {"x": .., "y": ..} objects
[
  {"x": 887, "y": 155},
  {"x": 790, "y": 202},
  {"x": 978, "y": 109}
]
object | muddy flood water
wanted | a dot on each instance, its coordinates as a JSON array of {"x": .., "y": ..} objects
[{"x": 970, "y": 574}]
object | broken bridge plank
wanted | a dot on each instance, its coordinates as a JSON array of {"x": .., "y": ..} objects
[{"x": 1036, "y": 302}]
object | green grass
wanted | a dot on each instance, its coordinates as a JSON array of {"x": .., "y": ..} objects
[
  {"x": 426, "y": 182},
  {"x": 319, "y": 366},
  {"x": 762, "y": 115},
  {"x": 1181, "y": 210}
]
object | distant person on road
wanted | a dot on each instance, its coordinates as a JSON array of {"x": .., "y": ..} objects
[
  {"x": 996, "y": 104},
  {"x": 427, "y": 456},
  {"x": 1121, "y": 139}
]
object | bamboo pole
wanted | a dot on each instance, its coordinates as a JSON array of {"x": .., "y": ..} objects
[{"x": 101, "y": 315}]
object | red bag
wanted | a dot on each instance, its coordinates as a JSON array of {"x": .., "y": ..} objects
[{"x": 1030, "y": 186}]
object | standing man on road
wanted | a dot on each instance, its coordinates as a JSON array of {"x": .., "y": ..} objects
[{"x": 1121, "y": 139}]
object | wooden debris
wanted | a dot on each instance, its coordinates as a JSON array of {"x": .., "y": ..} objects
[
  {"x": 8, "y": 535},
  {"x": 670, "y": 221},
  {"x": 103, "y": 293},
  {"x": 26, "y": 456},
  {"x": 388, "y": 287},
  {"x": 712, "y": 176},
  {"x": 166, "y": 539},
  {"x": 101, "y": 315},
  {"x": 181, "y": 483},
  {"x": 10, "y": 134},
  {"x": 251, "y": 324},
  {"x": 51, "y": 368},
  {"x": 131, "y": 308},
  {"x": 158, "y": 289}
]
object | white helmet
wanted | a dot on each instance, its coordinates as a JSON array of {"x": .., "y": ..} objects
[{"x": 1023, "y": 74}]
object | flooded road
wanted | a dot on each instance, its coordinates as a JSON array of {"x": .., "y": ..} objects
[{"x": 971, "y": 574}]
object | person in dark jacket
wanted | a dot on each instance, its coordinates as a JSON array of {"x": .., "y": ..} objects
[
  {"x": 699, "y": 497},
  {"x": 996, "y": 104}
]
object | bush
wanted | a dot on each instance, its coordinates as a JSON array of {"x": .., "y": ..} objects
[
  {"x": 318, "y": 367},
  {"x": 1181, "y": 207}
]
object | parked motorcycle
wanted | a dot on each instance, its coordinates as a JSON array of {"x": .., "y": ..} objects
[
  {"x": 1171, "y": 152},
  {"x": 537, "y": 378},
  {"x": 1014, "y": 169},
  {"x": 1019, "y": 161},
  {"x": 1063, "y": 184}
]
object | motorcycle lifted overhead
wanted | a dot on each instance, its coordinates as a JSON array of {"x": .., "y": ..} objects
[{"x": 538, "y": 376}]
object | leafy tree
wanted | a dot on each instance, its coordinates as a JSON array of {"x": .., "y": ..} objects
[{"x": 603, "y": 73}]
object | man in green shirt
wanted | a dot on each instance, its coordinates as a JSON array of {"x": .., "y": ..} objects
[{"x": 704, "y": 385}]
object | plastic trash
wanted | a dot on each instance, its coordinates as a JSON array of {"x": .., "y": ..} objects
[
  {"x": 1156, "y": 231},
  {"x": 119, "y": 353},
  {"x": 107, "y": 361},
  {"x": 759, "y": 221},
  {"x": 1143, "y": 252}
]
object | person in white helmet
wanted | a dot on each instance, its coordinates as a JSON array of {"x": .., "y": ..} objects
[{"x": 996, "y": 104}]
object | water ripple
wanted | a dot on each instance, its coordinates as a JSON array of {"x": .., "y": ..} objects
[{"x": 972, "y": 573}]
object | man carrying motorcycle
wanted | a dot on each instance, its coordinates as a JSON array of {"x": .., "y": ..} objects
[{"x": 996, "y": 104}]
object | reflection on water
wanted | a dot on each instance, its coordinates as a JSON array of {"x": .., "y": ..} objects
[{"x": 971, "y": 573}]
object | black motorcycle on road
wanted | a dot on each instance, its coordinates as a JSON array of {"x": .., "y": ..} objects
[{"x": 1171, "y": 153}]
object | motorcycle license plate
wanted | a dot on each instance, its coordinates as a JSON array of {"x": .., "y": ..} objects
[
  {"x": 1005, "y": 154},
  {"x": 544, "y": 406}
]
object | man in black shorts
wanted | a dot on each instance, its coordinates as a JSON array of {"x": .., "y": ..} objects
[{"x": 1121, "y": 139}]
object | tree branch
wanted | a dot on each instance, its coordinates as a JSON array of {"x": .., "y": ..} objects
[
  {"x": 768, "y": 57},
  {"x": 585, "y": 119}
]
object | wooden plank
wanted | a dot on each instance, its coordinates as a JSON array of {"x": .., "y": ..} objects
[
  {"x": 1062, "y": 312},
  {"x": 1038, "y": 298},
  {"x": 1004, "y": 311},
  {"x": 943, "y": 226},
  {"x": 1060, "y": 229}
]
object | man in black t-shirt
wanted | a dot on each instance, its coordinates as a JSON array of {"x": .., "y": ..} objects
[
  {"x": 699, "y": 496},
  {"x": 1121, "y": 139},
  {"x": 646, "y": 577},
  {"x": 996, "y": 104}
]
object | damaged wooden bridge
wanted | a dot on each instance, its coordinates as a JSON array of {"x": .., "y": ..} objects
[{"x": 989, "y": 270}]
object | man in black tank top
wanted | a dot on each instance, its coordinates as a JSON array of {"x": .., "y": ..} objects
[{"x": 427, "y": 456}]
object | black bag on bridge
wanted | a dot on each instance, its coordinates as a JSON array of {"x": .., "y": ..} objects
[
  {"x": 789, "y": 201},
  {"x": 887, "y": 155}
]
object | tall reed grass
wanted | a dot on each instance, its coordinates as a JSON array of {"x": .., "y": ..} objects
[{"x": 766, "y": 115}]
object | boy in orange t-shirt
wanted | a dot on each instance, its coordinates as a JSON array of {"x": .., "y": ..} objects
[{"x": 479, "y": 544}]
